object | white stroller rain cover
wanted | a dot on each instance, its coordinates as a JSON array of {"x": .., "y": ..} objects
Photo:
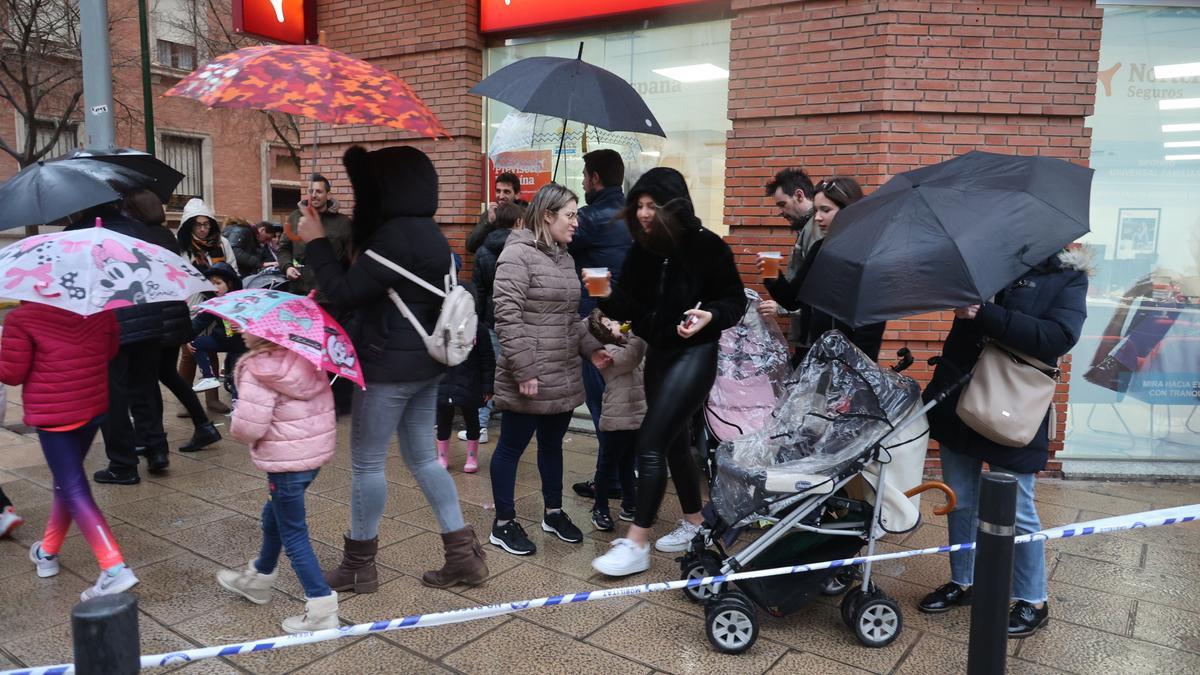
[{"x": 840, "y": 404}]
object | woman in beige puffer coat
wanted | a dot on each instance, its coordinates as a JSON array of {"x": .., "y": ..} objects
[{"x": 539, "y": 381}]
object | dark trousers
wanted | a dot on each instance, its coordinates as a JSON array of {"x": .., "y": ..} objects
[
  {"x": 516, "y": 430},
  {"x": 285, "y": 528},
  {"x": 470, "y": 413},
  {"x": 4, "y": 501},
  {"x": 677, "y": 384},
  {"x": 168, "y": 375},
  {"x": 133, "y": 388},
  {"x": 593, "y": 387},
  {"x": 618, "y": 459}
]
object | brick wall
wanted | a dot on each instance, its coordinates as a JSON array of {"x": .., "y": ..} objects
[{"x": 871, "y": 88}]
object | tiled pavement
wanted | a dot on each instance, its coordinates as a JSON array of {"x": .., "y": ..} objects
[{"x": 1124, "y": 603}]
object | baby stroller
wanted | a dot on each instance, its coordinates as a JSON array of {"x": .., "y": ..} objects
[
  {"x": 752, "y": 373},
  {"x": 271, "y": 278},
  {"x": 836, "y": 466}
]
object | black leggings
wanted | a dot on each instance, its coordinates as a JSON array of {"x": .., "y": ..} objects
[
  {"x": 470, "y": 413},
  {"x": 169, "y": 376},
  {"x": 677, "y": 384}
]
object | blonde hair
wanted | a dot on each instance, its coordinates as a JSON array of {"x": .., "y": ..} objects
[
  {"x": 254, "y": 345},
  {"x": 549, "y": 199}
]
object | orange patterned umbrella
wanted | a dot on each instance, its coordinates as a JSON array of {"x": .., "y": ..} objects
[{"x": 309, "y": 80}]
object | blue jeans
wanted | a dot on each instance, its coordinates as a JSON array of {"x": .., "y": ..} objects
[
  {"x": 284, "y": 528},
  {"x": 516, "y": 430},
  {"x": 485, "y": 411},
  {"x": 962, "y": 473},
  {"x": 409, "y": 411}
]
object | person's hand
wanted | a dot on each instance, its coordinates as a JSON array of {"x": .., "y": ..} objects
[
  {"x": 310, "y": 226},
  {"x": 191, "y": 348},
  {"x": 270, "y": 263},
  {"x": 702, "y": 319},
  {"x": 601, "y": 359},
  {"x": 491, "y": 212},
  {"x": 760, "y": 264},
  {"x": 528, "y": 388},
  {"x": 292, "y": 273},
  {"x": 487, "y": 397},
  {"x": 583, "y": 277},
  {"x": 968, "y": 312},
  {"x": 768, "y": 309}
]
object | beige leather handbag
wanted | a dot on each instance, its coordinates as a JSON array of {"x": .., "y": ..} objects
[{"x": 1008, "y": 395}]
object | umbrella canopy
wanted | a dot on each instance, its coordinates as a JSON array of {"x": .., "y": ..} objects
[
  {"x": 571, "y": 89},
  {"x": 948, "y": 235},
  {"x": 160, "y": 177},
  {"x": 94, "y": 269},
  {"x": 47, "y": 191},
  {"x": 520, "y": 132},
  {"x": 294, "y": 322},
  {"x": 312, "y": 81}
]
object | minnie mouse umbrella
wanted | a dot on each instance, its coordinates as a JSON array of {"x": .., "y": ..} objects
[
  {"x": 294, "y": 322},
  {"x": 93, "y": 270}
]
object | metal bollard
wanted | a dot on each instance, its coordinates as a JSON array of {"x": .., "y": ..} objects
[
  {"x": 105, "y": 633},
  {"x": 987, "y": 649}
]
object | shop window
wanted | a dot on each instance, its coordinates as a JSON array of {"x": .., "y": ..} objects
[
  {"x": 1135, "y": 384},
  {"x": 682, "y": 74},
  {"x": 186, "y": 155}
]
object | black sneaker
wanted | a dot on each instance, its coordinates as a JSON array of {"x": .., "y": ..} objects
[
  {"x": 1024, "y": 619},
  {"x": 627, "y": 514},
  {"x": 115, "y": 476},
  {"x": 512, "y": 538},
  {"x": 602, "y": 520},
  {"x": 561, "y": 526}
]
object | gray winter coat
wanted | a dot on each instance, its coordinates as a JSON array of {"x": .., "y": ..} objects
[{"x": 624, "y": 404}]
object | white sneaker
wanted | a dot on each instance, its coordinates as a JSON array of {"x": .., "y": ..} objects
[
  {"x": 111, "y": 584},
  {"x": 47, "y": 565},
  {"x": 319, "y": 614},
  {"x": 624, "y": 558},
  {"x": 249, "y": 583},
  {"x": 9, "y": 521},
  {"x": 483, "y": 437},
  {"x": 679, "y": 539},
  {"x": 207, "y": 384}
]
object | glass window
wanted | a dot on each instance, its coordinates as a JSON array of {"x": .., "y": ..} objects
[
  {"x": 1135, "y": 383},
  {"x": 185, "y": 155},
  {"x": 682, "y": 72},
  {"x": 175, "y": 55},
  {"x": 68, "y": 138}
]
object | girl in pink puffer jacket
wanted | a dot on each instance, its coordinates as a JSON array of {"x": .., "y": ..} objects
[{"x": 285, "y": 412}]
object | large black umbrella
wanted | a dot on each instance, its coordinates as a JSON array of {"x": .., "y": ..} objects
[
  {"x": 47, "y": 191},
  {"x": 571, "y": 89},
  {"x": 948, "y": 235},
  {"x": 160, "y": 178}
]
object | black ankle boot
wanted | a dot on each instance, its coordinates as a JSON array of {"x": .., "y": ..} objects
[{"x": 206, "y": 434}]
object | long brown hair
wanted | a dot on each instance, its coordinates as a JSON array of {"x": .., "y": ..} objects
[{"x": 665, "y": 229}]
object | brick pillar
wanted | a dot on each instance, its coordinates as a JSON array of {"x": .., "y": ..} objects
[
  {"x": 435, "y": 47},
  {"x": 870, "y": 88}
]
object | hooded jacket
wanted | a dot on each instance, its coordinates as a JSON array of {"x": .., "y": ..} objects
[
  {"x": 602, "y": 238},
  {"x": 284, "y": 412},
  {"x": 61, "y": 361},
  {"x": 624, "y": 404},
  {"x": 483, "y": 275},
  {"x": 1040, "y": 314},
  {"x": 220, "y": 249},
  {"x": 537, "y": 322},
  {"x": 207, "y": 323},
  {"x": 656, "y": 291},
  {"x": 395, "y": 197}
]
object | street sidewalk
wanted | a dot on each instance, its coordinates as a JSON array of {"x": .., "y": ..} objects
[{"x": 1122, "y": 603}]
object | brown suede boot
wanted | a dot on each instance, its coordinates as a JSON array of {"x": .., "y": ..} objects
[
  {"x": 357, "y": 572},
  {"x": 464, "y": 561}
]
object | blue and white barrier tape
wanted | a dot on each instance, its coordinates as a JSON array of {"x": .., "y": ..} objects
[{"x": 1182, "y": 514}]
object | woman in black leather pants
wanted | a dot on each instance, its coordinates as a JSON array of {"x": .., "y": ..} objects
[{"x": 680, "y": 288}]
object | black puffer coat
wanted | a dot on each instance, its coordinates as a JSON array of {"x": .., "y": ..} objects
[
  {"x": 484, "y": 274},
  {"x": 467, "y": 383},
  {"x": 136, "y": 323},
  {"x": 1041, "y": 314},
  {"x": 395, "y": 195},
  {"x": 175, "y": 316},
  {"x": 654, "y": 292}
]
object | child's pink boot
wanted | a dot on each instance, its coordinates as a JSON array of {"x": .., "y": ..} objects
[
  {"x": 443, "y": 450},
  {"x": 472, "y": 464}
]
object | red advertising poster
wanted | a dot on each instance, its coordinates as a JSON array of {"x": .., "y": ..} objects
[
  {"x": 535, "y": 168},
  {"x": 498, "y": 15},
  {"x": 292, "y": 22}
]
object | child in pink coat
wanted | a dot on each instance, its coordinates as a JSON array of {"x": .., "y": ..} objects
[{"x": 285, "y": 412}]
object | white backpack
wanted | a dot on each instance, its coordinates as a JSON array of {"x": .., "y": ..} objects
[{"x": 453, "y": 336}]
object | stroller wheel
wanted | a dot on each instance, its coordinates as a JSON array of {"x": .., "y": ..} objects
[
  {"x": 731, "y": 624},
  {"x": 698, "y": 568},
  {"x": 850, "y": 603},
  {"x": 877, "y": 621}
]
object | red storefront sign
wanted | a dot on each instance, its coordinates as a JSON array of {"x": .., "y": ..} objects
[
  {"x": 499, "y": 15},
  {"x": 534, "y": 168},
  {"x": 292, "y": 22}
]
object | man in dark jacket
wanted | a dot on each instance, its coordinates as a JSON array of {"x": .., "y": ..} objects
[
  {"x": 791, "y": 190},
  {"x": 601, "y": 240},
  {"x": 1041, "y": 314},
  {"x": 292, "y": 254},
  {"x": 508, "y": 191}
]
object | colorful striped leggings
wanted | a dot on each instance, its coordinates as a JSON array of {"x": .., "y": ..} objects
[{"x": 64, "y": 452}]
